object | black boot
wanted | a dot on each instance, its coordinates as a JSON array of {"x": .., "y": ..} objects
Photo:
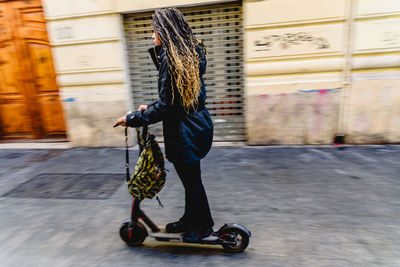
[{"x": 176, "y": 227}]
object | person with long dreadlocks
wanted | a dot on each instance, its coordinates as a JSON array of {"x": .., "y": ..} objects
[{"x": 187, "y": 126}]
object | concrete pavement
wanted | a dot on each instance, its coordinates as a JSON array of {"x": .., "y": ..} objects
[{"x": 306, "y": 206}]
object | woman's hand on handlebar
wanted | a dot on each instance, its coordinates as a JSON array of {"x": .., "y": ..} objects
[
  {"x": 142, "y": 107},
  {"x": 121, "y": 121}
]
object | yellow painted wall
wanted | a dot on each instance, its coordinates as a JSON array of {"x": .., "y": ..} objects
[
  {"x": 352, "y": 83},
  {"x": 87, "y": 37},
  {"x": 313, "y": 68},
  {"x": 374, "y": 98},
  {"x": 124, "y": 6},
  {"x": 295, "y": 58}
]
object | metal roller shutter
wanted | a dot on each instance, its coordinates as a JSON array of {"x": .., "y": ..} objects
[{"x": 220, "y": 27}]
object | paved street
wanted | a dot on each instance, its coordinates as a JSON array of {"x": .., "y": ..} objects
[{"x": 305, "y": 206}]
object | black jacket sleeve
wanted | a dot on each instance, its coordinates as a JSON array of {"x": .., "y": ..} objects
[
  {"x": 152, "y": 103},
  {"x": 159, "y": 110}
]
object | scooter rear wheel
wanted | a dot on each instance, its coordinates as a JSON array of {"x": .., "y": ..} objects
[
  {"x": 138, "y": 234},
  {"x": 239, "y": 237}
]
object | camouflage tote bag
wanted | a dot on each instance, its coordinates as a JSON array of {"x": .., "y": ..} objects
[{"x": 149, "y": 175}]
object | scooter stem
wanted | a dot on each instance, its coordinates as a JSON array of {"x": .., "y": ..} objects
[{"x": 137, "y": 213}]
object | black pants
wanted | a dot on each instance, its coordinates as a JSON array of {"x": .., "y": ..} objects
[{"x": 197, "y": 211}]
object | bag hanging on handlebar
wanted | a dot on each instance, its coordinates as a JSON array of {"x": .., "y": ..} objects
[{"x": 149, "y": 175}]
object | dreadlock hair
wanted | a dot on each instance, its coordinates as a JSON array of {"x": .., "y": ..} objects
[{"x": 179, "y": 42}]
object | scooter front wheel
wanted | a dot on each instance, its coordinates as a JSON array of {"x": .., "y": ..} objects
[
  {"x": 135, "y": 237},
  {"x": 236, "y": 240}
]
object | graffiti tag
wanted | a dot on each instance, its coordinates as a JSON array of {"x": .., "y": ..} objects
[
  {"x": 290, "y": 39},
  {"x": 65, "y": 33}
]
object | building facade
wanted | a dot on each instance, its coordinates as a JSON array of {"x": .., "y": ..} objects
[{"x": 279, "y": 71}]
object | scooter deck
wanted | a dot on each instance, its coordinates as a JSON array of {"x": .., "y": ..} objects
[{"x": 168, "y": 237}]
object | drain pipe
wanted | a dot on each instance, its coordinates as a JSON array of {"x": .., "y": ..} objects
[{"x": 344, "y": 104}]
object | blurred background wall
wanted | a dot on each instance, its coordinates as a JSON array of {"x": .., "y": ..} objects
[
  {"x": 279, "y": 71},
  {"x": 320, "y": 69}
]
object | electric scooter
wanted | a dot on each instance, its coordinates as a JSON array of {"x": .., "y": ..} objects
[{"x": 232, "y": 237}]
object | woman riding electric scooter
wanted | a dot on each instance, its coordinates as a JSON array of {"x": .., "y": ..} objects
[{"x": 187, "y": 127}]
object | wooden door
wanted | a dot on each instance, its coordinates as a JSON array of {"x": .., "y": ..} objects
[{"x": 29, "y": 102}]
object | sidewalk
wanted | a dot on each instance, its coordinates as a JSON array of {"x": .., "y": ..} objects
[{"x": 305, "y": 206}]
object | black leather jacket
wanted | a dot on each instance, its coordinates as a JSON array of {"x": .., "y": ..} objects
[{"x": 187, "y": 137}]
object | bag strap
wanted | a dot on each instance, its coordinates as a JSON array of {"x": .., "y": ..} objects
[
  {"x": 127, "y": 156},
  {"x": 142, "y": 137}
]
